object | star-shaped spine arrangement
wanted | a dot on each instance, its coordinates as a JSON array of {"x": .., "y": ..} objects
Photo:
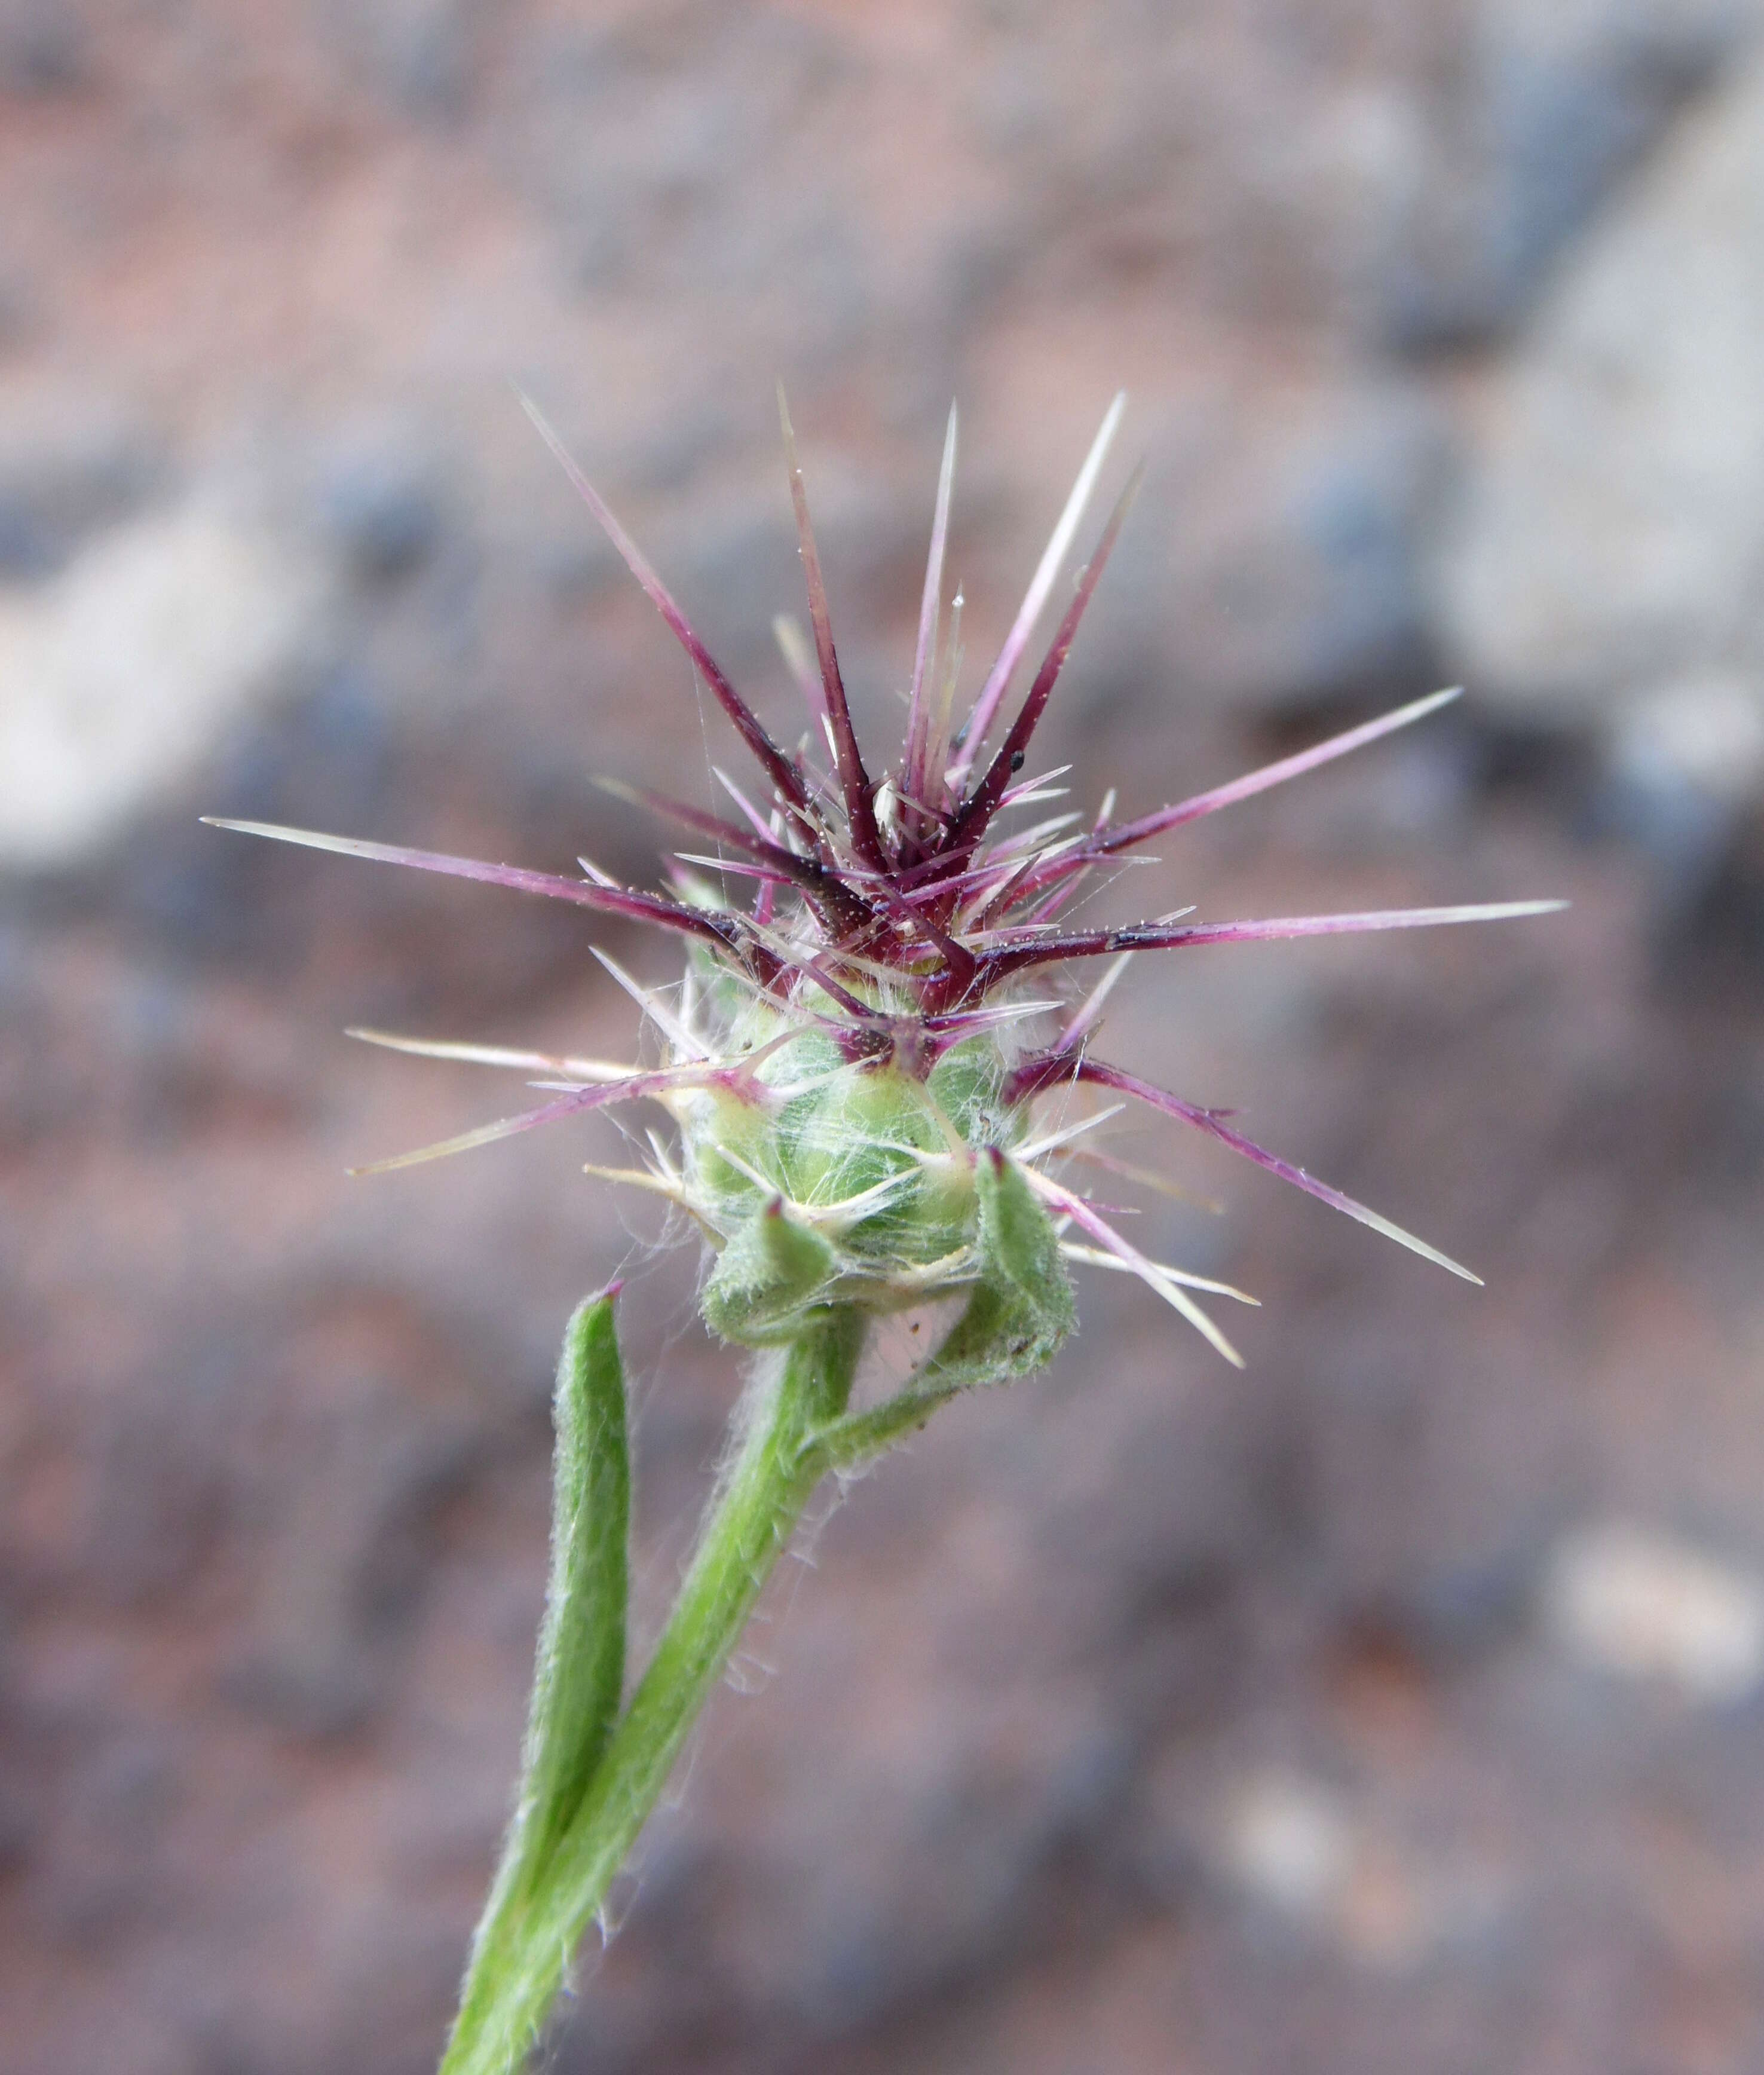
[{"x": 888, "y": 1004}]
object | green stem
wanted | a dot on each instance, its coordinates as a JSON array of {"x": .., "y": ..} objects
[{"x": 520, "y": 1962}]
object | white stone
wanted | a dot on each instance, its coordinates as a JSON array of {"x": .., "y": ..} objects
[
  {"x": 1289, "y": 1841},
  {"x": 1611, "y": 527},
  {"x": 1706, "y": 731},
  {"x": 1639, "y": 1604},
  {"x": 1349, "y": 1875},
  {"x": 121, "y": 673}
]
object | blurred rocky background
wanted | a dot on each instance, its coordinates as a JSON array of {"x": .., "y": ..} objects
[{"x": 1397, "y": 1706}]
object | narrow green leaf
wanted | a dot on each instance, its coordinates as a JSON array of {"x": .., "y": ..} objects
[
  {"x": 579, "y": 1674},
  {"x": 530, "y": 1934}
]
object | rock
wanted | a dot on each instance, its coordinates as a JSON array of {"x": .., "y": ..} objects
[
  {"x": 1349, "y": 504},
  {"x": 1611, "y": 522},
  {"x": 1287, "y": 564},
  {"x": 1638, "y": 1603},
  {"x": 1707, "y": 733},
  {"x": 1335, "y": 1865},
  {"x": 119, "y": 675},
  {"x": 1547, "y": 111},
  {"x": 1681, "y": 764},
  {"x": 43, "y": 48},
  {"x": 379, "y": 497},
  {"x": 642, "y": 141},
  {"x": 421, "y": 53},
  {"x": 70, "y": 466},
  {"x": 1288, "y": 1840}
]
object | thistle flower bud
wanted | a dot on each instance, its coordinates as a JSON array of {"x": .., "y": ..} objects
[
  {"x": 862, "y": 1092},
  {"x": 823, "y": 1180}
]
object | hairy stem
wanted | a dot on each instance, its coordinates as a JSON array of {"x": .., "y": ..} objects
[{"x": 522, "y": 1958}]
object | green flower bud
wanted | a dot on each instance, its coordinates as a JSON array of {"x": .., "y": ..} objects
[{"x": 823, "y": 1181}]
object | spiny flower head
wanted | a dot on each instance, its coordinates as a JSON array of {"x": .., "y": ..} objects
[{"x": 869, "y": 1058}]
